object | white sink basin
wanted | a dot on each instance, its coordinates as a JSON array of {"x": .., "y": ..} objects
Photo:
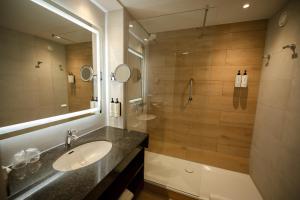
[{"x": 82, "y": 156}]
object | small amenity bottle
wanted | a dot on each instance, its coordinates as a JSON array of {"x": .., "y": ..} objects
[
  {"x": 112, "y": 108},
  {"x": 238, "y": 79},
  {"x": 244, "y": 82}
]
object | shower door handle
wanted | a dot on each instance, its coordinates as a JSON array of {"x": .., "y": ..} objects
[{"x": 190, "y": 90}]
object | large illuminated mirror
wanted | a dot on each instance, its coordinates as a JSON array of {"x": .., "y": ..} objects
[{"x": 41, "y": 60}]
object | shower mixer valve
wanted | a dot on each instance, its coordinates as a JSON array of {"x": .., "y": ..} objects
[{"x": 293, "y": 48}]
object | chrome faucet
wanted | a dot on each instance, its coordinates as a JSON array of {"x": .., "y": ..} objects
[{"x": 70, "y": 137}]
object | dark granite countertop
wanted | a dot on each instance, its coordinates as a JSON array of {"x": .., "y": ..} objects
[{"x": 40, "y": 181}]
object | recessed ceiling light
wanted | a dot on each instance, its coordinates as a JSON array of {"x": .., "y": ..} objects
[
  {"x": 246, "y": 5},
  {"x": 130, "y": 26},
  {"x": 145, "y": 39}
]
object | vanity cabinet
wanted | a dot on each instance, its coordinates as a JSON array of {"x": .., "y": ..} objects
[
  {"x": 129, "y": 174},
  {"x": 122, "y": 168}
]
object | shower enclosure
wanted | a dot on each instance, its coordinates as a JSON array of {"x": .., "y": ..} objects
[
  {"x": 191, "y": 109},
  {"x": 200, "y": 115},
  {"x": 197, "y": 113},
  {"x": 135, "y": 87}
]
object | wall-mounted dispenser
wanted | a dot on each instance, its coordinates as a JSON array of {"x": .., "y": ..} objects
[
  {"x": 94, "y": 102},
  {"x": 244, "y": 81},
  {"x": 112, "y": 108},
  {"x": 115, "y": 108},
  {"x": 238, "y": 79}
]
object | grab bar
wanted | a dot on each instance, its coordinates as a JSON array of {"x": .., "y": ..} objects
[{"x": 190, "y": 90}]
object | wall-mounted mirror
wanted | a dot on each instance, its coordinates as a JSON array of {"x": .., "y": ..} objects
[
  {"x": 86, "y": 73},
  {"x": 41, "y": 59},
  {"x": 122, "y": 73}
]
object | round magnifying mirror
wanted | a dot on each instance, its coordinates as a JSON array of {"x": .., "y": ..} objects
[
  {"x": 122, "y": 73},
  {"x": 86, "y": 73}
]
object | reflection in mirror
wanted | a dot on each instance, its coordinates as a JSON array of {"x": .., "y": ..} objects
[
  {"x": 86, "y": 73},
  {"x": 122, "y": 73},
  {"x": 136, "y": 86},
  {"x": 41, "y": 55},
  {"x": 135, "y": 82}
]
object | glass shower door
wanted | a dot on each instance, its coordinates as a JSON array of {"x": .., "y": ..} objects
[{"x": 135, "y": 103}]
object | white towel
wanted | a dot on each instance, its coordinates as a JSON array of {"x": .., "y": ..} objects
[
  {"x": 217, "y": 197},
  {"x": 126, "y": 195}
]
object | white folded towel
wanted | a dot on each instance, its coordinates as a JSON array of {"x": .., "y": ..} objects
[
  {"x": 126, "y": 195},
  {"x": 217, "y": 197}
]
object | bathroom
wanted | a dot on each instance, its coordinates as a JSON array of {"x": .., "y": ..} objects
[{"x": 161, "y": 99}]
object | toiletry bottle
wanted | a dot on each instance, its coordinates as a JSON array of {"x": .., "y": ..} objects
[
  {"x": 244, "y": 82},
  {"x": 95, "y": 102},
  {"x": 117, "y": 108},
  {"x": 92, "y": 102},
  {"x": 112, "y": 108},
  {"x": 238, "y": 79}
]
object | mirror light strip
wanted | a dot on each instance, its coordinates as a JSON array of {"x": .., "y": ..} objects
[
  {"x": 16, "y": 127},
  {"x": 106, "y": 79},
  {"x": 64, "y": 15},
  {"x": 20, "y": 126}
]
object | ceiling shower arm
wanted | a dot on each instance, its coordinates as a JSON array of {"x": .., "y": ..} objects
[
  {"x": 206, "y": 9},
  {"x": 119, "y": 1}
]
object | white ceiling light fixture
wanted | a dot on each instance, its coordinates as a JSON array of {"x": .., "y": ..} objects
[
  {"x": 56, "y": 36},
  {"x": 283, "y": 19},
  {"x": 185, "y": 53},
  {"x": 246, "y": 5},
  {"x": 145, "y": 39},
  {"x": 130, "y": 26}
]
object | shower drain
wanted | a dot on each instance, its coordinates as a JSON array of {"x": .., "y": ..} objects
[{"x": 190, "y": 171}]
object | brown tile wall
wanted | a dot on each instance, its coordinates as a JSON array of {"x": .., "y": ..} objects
[
  {"x": 79, "y": 94},
  {"x": 216, "y": 128},
  {"x": 27, "y": 92}
]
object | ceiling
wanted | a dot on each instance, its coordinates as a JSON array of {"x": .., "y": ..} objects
[
  {"x": 223, "y": 12},
  {"x": 27, "y": 17}
]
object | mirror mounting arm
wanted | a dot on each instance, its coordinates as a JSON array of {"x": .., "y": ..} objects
[{"x": 113, "y": 76}]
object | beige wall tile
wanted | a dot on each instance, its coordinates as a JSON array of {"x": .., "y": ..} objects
[
  {"x": 275, "y": 148},
  {"x": 248, "y": 26},
  {"x": 218, "y": 159},
  {"x": 244, "y": 56},
  {"x": 236, "y": 119},
  {"x": 216, "y": 127}
]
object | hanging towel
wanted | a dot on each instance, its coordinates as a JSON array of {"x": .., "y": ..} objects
[{"x": 126, "y": 195}]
